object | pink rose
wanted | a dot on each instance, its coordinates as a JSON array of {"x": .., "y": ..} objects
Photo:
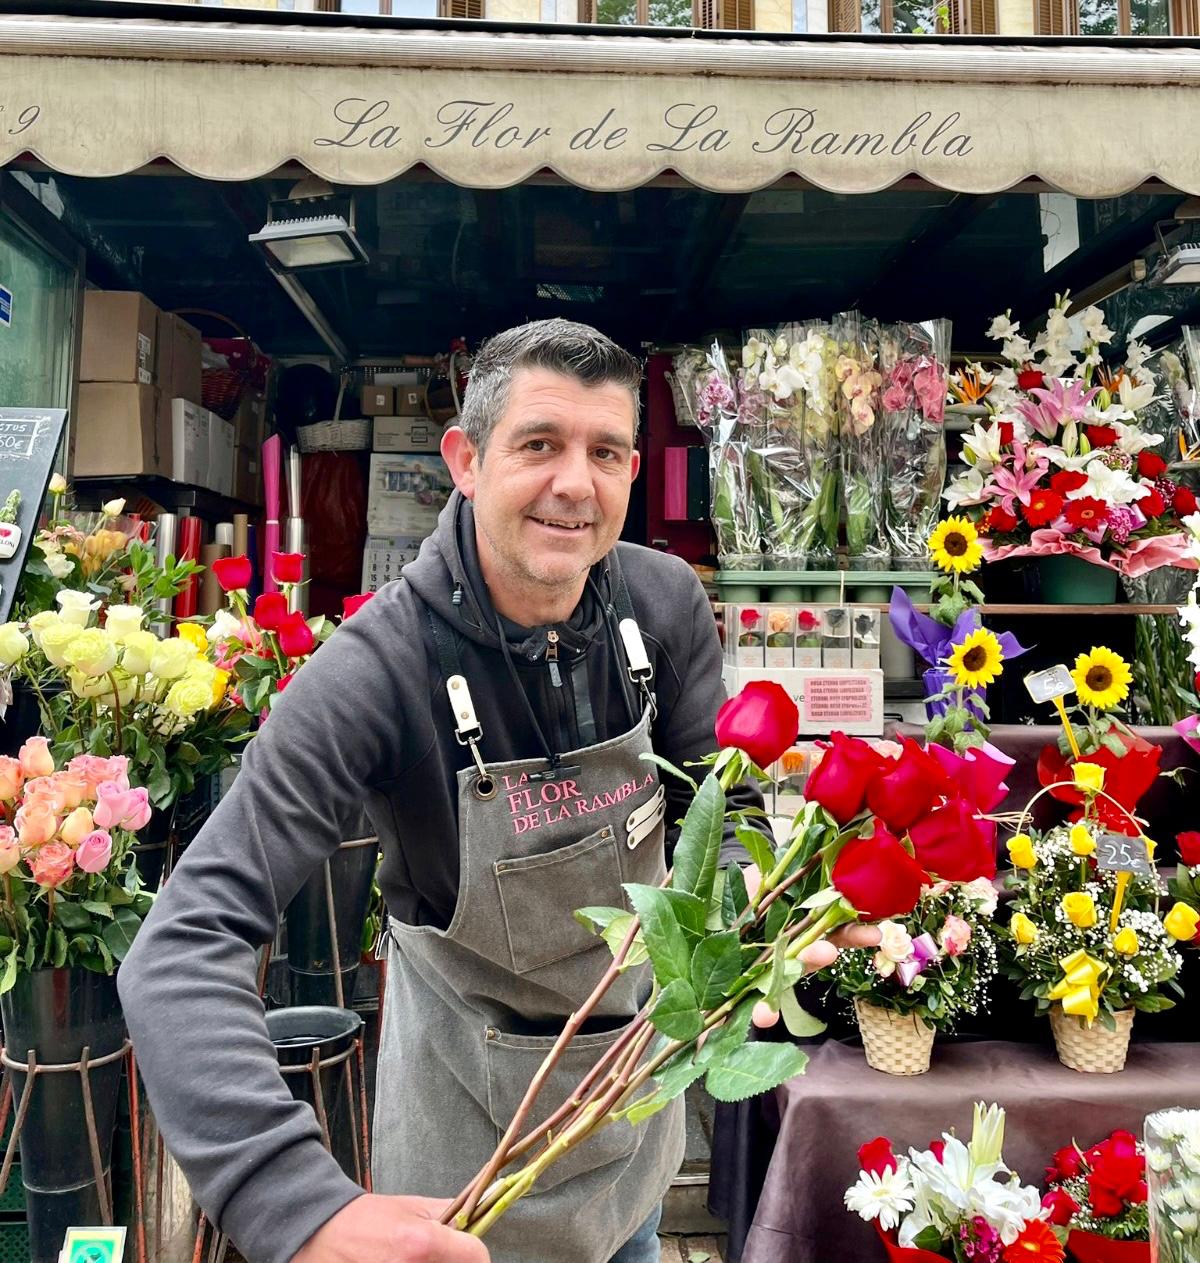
[
  {"x": 96, "y": 770},
  {"x": 35, "y": 756},
  {"x": 94, "y": 852},
  {"x": 118, "y": 808},
  {"x": 12, "y": 777},
  {"x": 10, "y": 849},
  {"x": 52, "y": 865},
  {"x": 954, "y": 936},
  {"x": 46, "y": 792},
  {"x": 36, "y": 824}
]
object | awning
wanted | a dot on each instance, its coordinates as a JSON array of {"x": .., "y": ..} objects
[{"x": 490, "y": 108}]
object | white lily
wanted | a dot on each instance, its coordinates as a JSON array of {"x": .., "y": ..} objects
[
  {"x": 987, "y": 1134},
  {"x": 1113, "y": 486},
  {"x": 1132, "y": 440},
  {"x": 984, "y": 444},
  {"x": 1057, "y": 456},
  {"x": 966, "y": 489}
]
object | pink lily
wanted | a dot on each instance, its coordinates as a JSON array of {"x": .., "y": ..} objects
[
  {"x": 1059, "y": 403},
  {"x": 1017, "y": 482}
]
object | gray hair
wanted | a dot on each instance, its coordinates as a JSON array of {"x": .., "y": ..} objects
[{"x": 562, "y": 346}]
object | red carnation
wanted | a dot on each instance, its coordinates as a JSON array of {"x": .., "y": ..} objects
[
  {"x": 1189, "y": 847},
  {"x": 877, "y": 876},
  {"x": 998, "y": 519},
  {"x": 1185, "y": 501},
  {"x": 1066, "y": 481},
  {"x": 1061, "y": 1205},
  {"x": 839, "y": 782},
  {"x": 876, "y": 1156},
  {"x": 1007, "y": 433},
  {"x": 233, "y": 572},
  {"x": 908, "y": 788},
  {"x": 270, "y": 610},
  {"x": 1153, "y": 505},
  {"x": 1151, "y": 464},
  {"x": 1043, "y": 507},
  {"x": 1030, "y": 379},
  {"x": 1086, "y": 513},
  {"x": 1102, "y": 435},
  {"x": 352, "y": 604},
  {"x": 762, "y": 720},
  {"x": 295, "y": 636},
  {"x": 955, "y": 843}
]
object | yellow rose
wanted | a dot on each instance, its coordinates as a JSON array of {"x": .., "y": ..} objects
[
  {"x": 55, "y": 640},
  {"x": 201, "y": 670},
  {"x": 1126, "y": 943},
  {"x": 1181, "y": 922},
  {"x": 195, "y": 633},
  {"x": 171, "y": 658},
  {"x": 1023, "y": 929},
  {"x": 1080, "y": 910},
  {"x": 186, "y": 698},
  {"x": 1082, "y": 842},
  {"x": 139, "y": 651},
  {"x": 219, "y": 685},
  {"x": 1089, "y": 777},
  {"x": 93, "y": 652},
  {"x": 14, "y": 644},
  {"x": 1020, "y": 851},
  {"x": 39, "y": 622}
]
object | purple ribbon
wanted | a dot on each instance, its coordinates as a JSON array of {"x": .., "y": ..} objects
[
  {"x": 925, "y": 952},
  {"x": 934, "y": 641}
]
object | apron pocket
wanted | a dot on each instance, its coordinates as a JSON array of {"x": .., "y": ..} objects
[
  {"x": 539, "y": 895},
  {"x": 512, "y": 1062}
]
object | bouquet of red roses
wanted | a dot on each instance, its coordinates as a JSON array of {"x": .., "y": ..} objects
[{"x": 1100, "y": 1195}]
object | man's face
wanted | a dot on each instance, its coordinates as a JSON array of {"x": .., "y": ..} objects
[{"x": 552, "y": 488}]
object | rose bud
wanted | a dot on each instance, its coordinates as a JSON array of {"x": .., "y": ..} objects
[
  {"x": 839, "y": 782},
  {"x": 878, "y": 876},
  {"x": 761, "y": 720},
  {"x": 287, "y": 567},
  {"x": 295, "y": 636},
  {"x": 1189, "y": 848},
  {"x": 352, "y": 604},
  {"x": 270, "y": 610},
  {"x": 233, "y": 573},
  {"x": 877, "y": 1156},
  {"x": 1061, "y": 1205}
]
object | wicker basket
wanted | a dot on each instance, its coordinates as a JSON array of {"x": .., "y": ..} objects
[
  {"x": 221, "y": 389},
  {"x": 335, "y": 436},
  {"x": 1091, "y": 1049},
  {"x": 894, "y": 1043}
]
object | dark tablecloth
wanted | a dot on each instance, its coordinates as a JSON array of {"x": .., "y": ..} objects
[{"x": 800, "y": 1142}]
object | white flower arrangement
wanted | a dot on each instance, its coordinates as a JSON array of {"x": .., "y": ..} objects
[{"x": 1173, "y": 1176}]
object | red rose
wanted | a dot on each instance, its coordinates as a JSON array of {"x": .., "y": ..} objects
[
  {"x": 1068, "y": 1163},
  {"x": 295, "y": 636},
  {"x": 1196, "y": 681},
  {"x": 1102, "y": 435},
  {"x": 908, "y": 788},
  {"x": 839, "y": 782},
  {"x": 284, "y": 681},
  {"x": 1007, "y": 434},
  {"x": 877, "y": 876},
  {"x": 1086, "y": 513},
  {"x": 1153, "y": 505},
  {"x": 750, "y": 619},
  {"x": 1189, "y": 847},
  {"x": 1185, "y": 501},
  {"x": 1066, "y": 481},
  {"x": 1151, "y": 464},
  {"x": 762, "y": 720},
  {"x": 1061, "y": 1205},
  {"x": 806, "y": 620},
  {"x": 1043, "y": 507},
  {"x": 1030, "y": 379},
  {"x": 876, "y": 1156},
  {"x": 998, "y": 519},
  {"x": 1105, "y": 1203},
  {"x": 287, "y": 567},
  {"x": 233, "y": 572},
  {"x": 352, "y": 604},
  {"x": 270, "y": 610},
  {"x": 937, "y": 1148},
  {"x": 955, "y": 843}
]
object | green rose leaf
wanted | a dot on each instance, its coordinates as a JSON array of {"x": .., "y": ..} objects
[
  {"x": 661, "y": 932},
  {"x": 725, "y": 1039},
  {"x": 716, "y": 964},
  {"x": 734, "y": 896},
  {"x": 800, "y": 1024},
  {"x": 118, "y": 933},
  {"x": 753, "y": 1069},
  {"x": 677, "y": 1015},
  {"x": 694, "y": 864}
]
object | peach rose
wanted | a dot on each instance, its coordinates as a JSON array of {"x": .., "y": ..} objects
[
  {"x": 45, "y": 791},
  {"x": 76, "y": 827},
  {"x": 36, "y": 824},
  {"x": 52, "y": 865},
  {"x": 10, "y": 849},
  {"x": 94, "y": 852},
  {"x": 96, "y": 771},
  {"x": 35, "y": 756},
  {"x": 73, "y": 788},
  {"x": 12, "y": 777}
]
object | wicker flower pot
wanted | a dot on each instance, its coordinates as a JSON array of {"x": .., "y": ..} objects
[
  {"x": 894, "y": 1043},
  {"x": 1091, "y": 1049}
]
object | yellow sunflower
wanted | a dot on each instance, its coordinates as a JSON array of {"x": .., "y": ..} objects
[
  {"x": 955, "y": 547},
  {"x": 1102, "y": 678},
  {"x": 977, "y": 661}
]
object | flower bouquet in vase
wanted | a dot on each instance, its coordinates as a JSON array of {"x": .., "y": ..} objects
[
  {"x": 1099, "y": 1196},
  {"x": 953, "y": 1200},
  {"x": 912, "y": 362},
  {"x": 1173, "y": 1175},
  {"x": 930, "y": 968},
  {"x": 860, "y": 439}
]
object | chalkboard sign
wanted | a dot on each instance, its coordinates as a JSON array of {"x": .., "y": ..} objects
[
  {"x": 29, "y": 439},
  {"x": 1129, "y": 855}
]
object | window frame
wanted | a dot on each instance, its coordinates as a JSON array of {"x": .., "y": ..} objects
[
  {"x": 706, "y": 14},
  {"x": 961, "y": 22},
  {"x": 1183, "y": 18}
]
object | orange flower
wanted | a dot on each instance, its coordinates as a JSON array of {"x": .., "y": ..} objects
[
  {"x": 971, "y": 384},
  {"x": 1036, "y": 1244}
]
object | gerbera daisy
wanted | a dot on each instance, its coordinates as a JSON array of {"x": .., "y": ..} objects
[
  {"x": 1086, "y": 513},
  {"x": 1043, "y": 507},
  {"x": 1036, "y": 1244},
  {"x": 1102, "y": 678},
  {"x": 886, "y": 1196},
  {"x": 954, "y": 546},
  {"x": 977, "y": 661}
]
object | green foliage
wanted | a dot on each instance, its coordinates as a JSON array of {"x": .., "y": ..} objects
[
  {"x": 753, "y": 1069},
  {"x": 699, "y": 843}
]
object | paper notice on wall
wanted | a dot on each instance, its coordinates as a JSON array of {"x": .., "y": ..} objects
[{"x": 6, "y": 307}]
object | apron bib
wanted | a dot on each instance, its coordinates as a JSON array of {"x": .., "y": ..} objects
[{"x": 472, "y": 1011}]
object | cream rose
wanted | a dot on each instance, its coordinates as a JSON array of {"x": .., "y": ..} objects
[
  {"x": 93, "y": 652},
  {"x": 172, "y": 658},
  {"x": 14, "y": 644},
  {"x": 76, "y": 607},
  {"x": 188, "y": 697},
  {"x": 58, "y": 484},
  {"x": 55, "y": 639},
  {"x": 139, "y": 651},
  {"x": 121, "y": 620},
  {"x": 113, "y": 508},
  {"x": 39, "y": 622},
  {"x": 895, "y": 942}
]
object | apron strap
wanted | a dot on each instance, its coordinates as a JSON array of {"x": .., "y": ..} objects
[{"x": 636, "y": 659}]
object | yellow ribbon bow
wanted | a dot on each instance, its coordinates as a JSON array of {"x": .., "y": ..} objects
[{"x": 1079, "y": 989}]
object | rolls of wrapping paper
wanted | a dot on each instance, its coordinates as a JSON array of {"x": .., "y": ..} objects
[
  {"x": 211, "y": 596},
  {"x": 188, "y": 601},
  {"x": 223, "y": 533},
  {"x": 166, "y": 535},
  {"x": 272, "y": 468},
  {"x": 296, "y": 537},
  {"x": 239, "y": 543}
]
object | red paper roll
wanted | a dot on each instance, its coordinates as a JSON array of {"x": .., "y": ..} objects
[{"x": 187, "y": 602}]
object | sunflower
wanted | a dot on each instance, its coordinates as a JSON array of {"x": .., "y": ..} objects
[
  {"x": 1102, "y": 678},
  {"x": 955, "y": 547},
  {"x": 977, "y": 661}
]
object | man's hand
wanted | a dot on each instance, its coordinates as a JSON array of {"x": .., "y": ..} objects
[
  {"x": 374, "y": 1229},
  {"x": 817, "y": 955}
]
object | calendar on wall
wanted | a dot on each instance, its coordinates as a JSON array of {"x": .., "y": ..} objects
[{"x": 383, "y": 557}]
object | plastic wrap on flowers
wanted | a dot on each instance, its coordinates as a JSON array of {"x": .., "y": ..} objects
[
  {"x": 711, "y": 400},
  {"x": 860, "y": 435},
  {"x": 1185, "y": 392},
  {"x": 912, "y": 363},
  {"x": 1091, "y": 1247},
  {"x": 1167, "y": 585},
  {"x": 1172, "y": 1170},
  {"x": 787, "y": 388}
]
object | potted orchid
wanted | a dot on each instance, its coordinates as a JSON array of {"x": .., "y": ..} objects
[{"x": 860, "y": 439}]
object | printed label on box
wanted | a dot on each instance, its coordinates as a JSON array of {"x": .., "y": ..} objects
[
  {"x": 836, "y": 699},
  {"x": 145, "y": 359},
  {"x": 6, "y": 306}
]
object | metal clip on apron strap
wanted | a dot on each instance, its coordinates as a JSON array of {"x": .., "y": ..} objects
[
  {"x": 638, "y": 663},
  {"x": 467, "y": 729}
]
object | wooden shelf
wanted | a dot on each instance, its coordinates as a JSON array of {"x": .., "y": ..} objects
[
  {"x": 93, "y": 492},
  {"x": 1023, "y": 610}
]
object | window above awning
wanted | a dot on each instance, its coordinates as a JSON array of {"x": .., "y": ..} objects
[{"x": 489, "y": 109}]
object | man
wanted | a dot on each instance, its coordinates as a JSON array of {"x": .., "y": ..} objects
[{"x": 491, "y": 718}]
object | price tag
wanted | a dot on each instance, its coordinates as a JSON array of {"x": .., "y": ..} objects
[
  {"x": 1124, "y": 854},
  {"x": 1045, "y": 686},
  {"x": 93, "y": 1245}
]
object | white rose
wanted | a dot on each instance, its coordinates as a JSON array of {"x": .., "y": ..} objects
[
  {"x": 172, "y": 658},
  {"x": 223, "y": 627},
  {"x": 895, "y": 943},
  {"x": 139, "y": 652},
  {"x": 123, "y": 619},
  {"x": 53, "y": 641},
  {"x": 884, "y": 967},
  {"x": 40, "y": 622},
  {"x": 113, "y": 508},
  {"x": 14, "y": 644},
  {"x": 93, "y": 652},
  {"x": 59, "y": 565},
  {"x": 76, "y": 607}
]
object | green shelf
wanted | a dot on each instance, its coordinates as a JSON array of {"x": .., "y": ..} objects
[{"x": 815, "y": 585}]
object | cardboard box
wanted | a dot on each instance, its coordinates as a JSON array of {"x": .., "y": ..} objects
[
  {"x": 864, "y": 638},
  {"x": 117, "y": 430},
  {"x": 189, "y": 442},
  {"x": 177, "y": 358},
  {"x": 120, "y": 328},
  {"x": 247, "y": 475},
  {"x": 406, "y": 493},
  {"x": 406, "y": 434},
  {"x": 219, "y": 476},
  {"x": 250, "y": 421},
  {"x": 750, "y": 625},
  {"x": 781, "y": 635},
  {"x": 384, "y": 556},
  {"x": 377, "y": 401},
  {"x": 410, "y": 402}
]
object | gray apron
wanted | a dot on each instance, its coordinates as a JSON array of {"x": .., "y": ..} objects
[{"x": 472, "y": 1010}]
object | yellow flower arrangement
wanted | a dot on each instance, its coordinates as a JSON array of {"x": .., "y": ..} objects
[
  {"x": 1020, "y": 851},
  {"x": 1089, "y": 777},
  {"x": 1126, "y": 942},
  {"x": 1080, "y": 909},
  {"x": 1023, "y": 929},
  {"x": 1102, "y": 678},
  {"x": 1082, "y": 842}
]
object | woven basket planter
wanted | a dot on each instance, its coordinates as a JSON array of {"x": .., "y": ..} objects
[
  {"x": 894, "y": 1043},
  {"x": 1091, "y": 1049}
]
